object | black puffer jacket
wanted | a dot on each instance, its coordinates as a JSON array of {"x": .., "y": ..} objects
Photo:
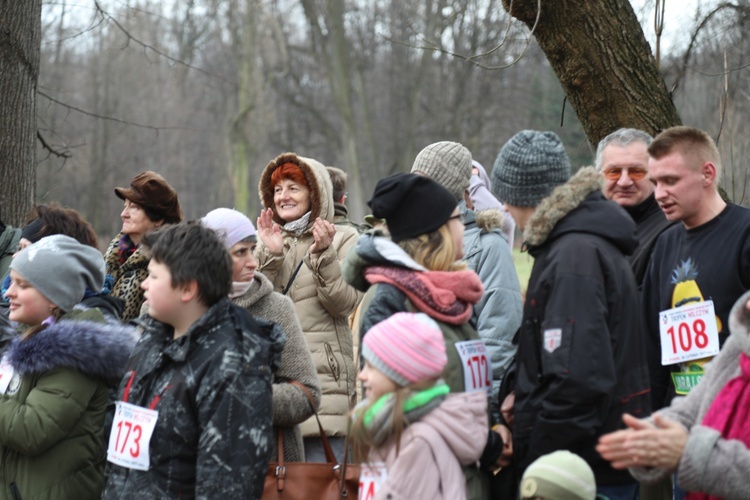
[
  {"x": 213, "y": 391},
  {"x": 581, "y": 359}
]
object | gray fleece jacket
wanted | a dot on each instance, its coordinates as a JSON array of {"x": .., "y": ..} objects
[{"x": 710, "y": 463}]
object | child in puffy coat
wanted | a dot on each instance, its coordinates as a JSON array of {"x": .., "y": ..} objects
[{"x": 412, "y": 436}]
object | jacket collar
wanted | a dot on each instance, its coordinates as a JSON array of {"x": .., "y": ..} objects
[
  {"x": 80, "y": 341},
  {"x": 563, "y": 200}
]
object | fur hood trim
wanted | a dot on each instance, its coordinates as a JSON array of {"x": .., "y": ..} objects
[
  {"x": 318, "y": 180},
  {"x": 490, "y": 219},
  {"x": 563, "y": 200},
  {"x": 98, "y": 350}
]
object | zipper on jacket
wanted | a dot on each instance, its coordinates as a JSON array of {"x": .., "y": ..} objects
[
  {"x": 14, "y": 491},
  {"x": 333, "y": 363}
]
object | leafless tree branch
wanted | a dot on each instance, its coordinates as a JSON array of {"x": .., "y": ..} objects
[
  {"x": 147, "y": 47},
  {"x": 45, "y": 145},
  {"x": 111, "y": 118},
  {"x": 473, "y": 58}
]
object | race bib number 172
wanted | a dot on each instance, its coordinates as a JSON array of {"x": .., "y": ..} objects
[{"x": 476, "y": 365}]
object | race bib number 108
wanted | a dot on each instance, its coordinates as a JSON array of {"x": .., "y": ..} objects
[{"x": 688, "y": 332}]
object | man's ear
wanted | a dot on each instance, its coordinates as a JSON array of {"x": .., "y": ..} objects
[
  {"x": 468, "y": 201},
  {"x": 708, "y": 170},
  {"x": 189, "y": 291}
]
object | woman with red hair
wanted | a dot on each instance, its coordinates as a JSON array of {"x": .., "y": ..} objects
[{"x": 300, "y": 251}]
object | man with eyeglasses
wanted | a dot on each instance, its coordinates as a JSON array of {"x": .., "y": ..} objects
[{"x": 622, "y": 160}]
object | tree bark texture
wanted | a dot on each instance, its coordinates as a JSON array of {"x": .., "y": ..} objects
[
  {"x": 20, "y": 35},
  {"x": 600, "y": 55}
]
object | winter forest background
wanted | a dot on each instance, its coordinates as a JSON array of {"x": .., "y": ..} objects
[{"x": 206, "y": 92}]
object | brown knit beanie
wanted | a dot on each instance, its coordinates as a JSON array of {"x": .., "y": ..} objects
[{"x": 448, "y": 163}]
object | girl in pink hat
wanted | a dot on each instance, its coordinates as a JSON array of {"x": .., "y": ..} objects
[{"x": 411, "y": 435}]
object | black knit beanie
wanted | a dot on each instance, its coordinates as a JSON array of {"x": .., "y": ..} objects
[{"x": 412, "y": 205}]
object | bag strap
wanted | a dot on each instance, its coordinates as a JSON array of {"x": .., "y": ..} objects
[
  {"x": 280, "y": 467},
  {"x": 330, "y": 457},
  {"x": 342, "y": 484},
  {"x": 289, "y": 285}
]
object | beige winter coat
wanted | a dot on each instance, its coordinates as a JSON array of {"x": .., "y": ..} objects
[{"x": 322, "y": 299}]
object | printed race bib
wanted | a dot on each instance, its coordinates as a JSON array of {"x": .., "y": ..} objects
[
  {"x": 688, "y": 332},
  {"x": 371, "y": 479},
  {"x": 476, "y": 365},
  {"x": 6, "y": 374},
  {"x": 130, "y": 436}
]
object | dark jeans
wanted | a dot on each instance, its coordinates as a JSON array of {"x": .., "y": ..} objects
[{"x": 623, "y": 492}]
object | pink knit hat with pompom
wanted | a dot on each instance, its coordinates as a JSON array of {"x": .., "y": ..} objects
[{"x": 406, "y": 347}]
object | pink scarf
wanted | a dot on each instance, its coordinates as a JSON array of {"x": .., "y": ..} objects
[
  {"x": 446, "y": 296},
  {"x": 730, "y": 413}
]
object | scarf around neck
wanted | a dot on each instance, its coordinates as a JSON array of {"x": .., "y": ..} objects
[
  {"x": 729, "y": 413},
  {"x": 297, "y": 227},
  {"x": 446, "y": 296},
  {"x": 125, "y": 248},
  {"x": 378, "y": 417}
]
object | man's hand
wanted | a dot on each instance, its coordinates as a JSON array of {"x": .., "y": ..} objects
[{"x": 506, "y": 409}]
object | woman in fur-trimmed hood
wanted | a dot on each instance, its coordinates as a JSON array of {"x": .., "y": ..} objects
[
  {"x": 581, "y": 356},
  {"x": 300, "y": 251}
]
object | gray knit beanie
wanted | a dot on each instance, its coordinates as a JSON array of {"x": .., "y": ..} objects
[
  {"x": 529, "y": 167},
  {"x": 448, "y": 163},
  {"x": 61, "y": 268}
]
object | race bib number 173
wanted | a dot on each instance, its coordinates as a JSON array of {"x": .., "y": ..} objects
[{"x": 130, "y": 436}]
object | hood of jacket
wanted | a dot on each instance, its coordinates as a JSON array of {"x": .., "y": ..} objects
[
  {"x": 318, "y": 181},
  {"x": 95, "y": 348},
  {"x": 374, "y": 249},
  {"x": 9, "y": 237},
  {"x": 486, "y": 220},
  {"x": 461, "y": 420},
  {"x": 579, "y": 206}
]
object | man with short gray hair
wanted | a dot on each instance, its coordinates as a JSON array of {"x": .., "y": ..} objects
[{"x": 622, "y": 160}]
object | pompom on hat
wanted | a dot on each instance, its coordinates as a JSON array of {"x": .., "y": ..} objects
[
  {"x": 61, "y": 269},
  {"x": 231, "y": 226},
  {"x": 559, "y": 475},
  {"x": 448, "y": 163},
  {"x": 529, "y": 166},
  {"x": 152, "y": 192},
  {"x": 406, "y": 347},
  {"x": 412, "y": 204}
]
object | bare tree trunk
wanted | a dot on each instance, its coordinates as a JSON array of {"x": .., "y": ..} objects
[
  {"x": 20, "y": 38},
  {"x": 599, "y": 53}
]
